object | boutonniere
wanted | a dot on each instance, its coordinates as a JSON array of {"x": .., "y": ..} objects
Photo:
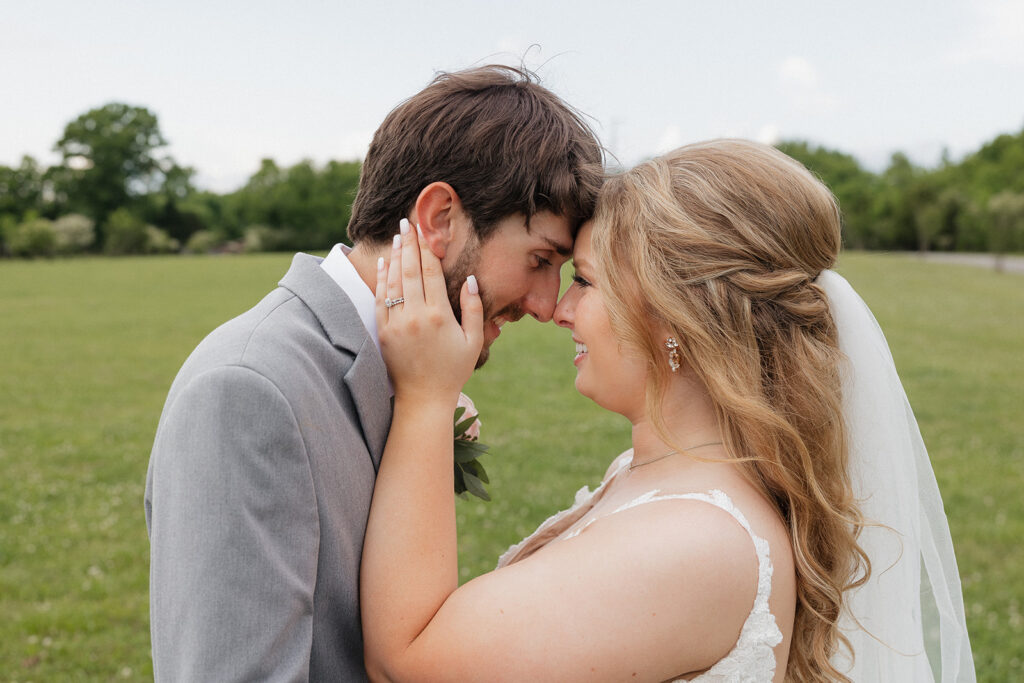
[{"x": 470, "y": 475}]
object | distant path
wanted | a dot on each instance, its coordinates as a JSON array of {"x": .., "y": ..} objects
[{"x": 1011, "y": 264}]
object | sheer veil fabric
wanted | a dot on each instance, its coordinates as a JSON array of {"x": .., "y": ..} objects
[{"x": 907, "y": 623}]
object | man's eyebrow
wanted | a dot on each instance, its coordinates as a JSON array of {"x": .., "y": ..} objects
[{"x": 559, "y": 248}]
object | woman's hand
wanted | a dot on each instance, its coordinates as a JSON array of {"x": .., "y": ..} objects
[{"x": 428, "y": 354}]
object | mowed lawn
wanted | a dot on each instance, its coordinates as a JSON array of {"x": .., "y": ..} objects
[{"x": 89, "y": 347}]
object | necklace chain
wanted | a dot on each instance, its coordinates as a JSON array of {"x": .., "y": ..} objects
[{"x": 633, "y": 466}]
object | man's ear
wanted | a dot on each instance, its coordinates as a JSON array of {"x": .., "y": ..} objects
[{"x": 434, "y": 213}]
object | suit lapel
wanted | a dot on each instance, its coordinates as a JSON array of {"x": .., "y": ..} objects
[
  {"x": 367, "y": 382},
  {"x": 329, "y": 304},
  {"x": 366, "y": 379}
]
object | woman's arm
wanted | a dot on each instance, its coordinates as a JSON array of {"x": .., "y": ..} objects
[
  {"x": 646, "y": 594},
  {"x": 410, "y": 558}
]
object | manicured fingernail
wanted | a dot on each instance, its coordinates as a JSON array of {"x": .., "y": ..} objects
[
  {"x": 473, "y": 287},
  {"x": 397, "y": 243},
  {"x": 380, "y": 264},
  {"x": 419, "y": 233},
  {"x": 403, "y": 225}
]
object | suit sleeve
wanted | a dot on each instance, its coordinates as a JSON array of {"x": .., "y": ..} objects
[{"x": 233, "y": 534}]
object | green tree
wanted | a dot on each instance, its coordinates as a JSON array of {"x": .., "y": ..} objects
[
  {"x": 8, "y": 226},
  {"x": 203, "y": 242},
  {"x": 994, "y": 168},
  {"x": 74, "y": 233},
  {"x": 34, "y": 237},
  {"x": 126, "y": 234},
  {"x": 21, "y": 188},
  {"x": 899, "y": 195},
  {"x": 172, "y": 207},
  {"x": 853, "y": 186},
  {"x": 109, "y": 160},
  {"x": 1006, "y": 213},
  {"x": 305, "y": 207}
]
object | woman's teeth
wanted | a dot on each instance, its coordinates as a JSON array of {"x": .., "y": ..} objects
[{"x": 580, "y": 348}]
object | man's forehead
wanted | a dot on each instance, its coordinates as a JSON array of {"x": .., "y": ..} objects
[
  {"x": 559, "y": 246},
  {"x": 553, "y": 230}
]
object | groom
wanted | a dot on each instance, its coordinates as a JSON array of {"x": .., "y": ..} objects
[{"x": 263, "y": 465}]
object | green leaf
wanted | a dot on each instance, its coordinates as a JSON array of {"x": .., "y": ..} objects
[
  {"x": 464, "y": 455},
  {"x": 459, "y": 412},
  {"x": 475, "y": 446},
  {"x": 460, "y": 484},
  {"x": 475, "y": 486},
  {"x": 477, "y": 470},
  {"x": 461, "y": 427}
]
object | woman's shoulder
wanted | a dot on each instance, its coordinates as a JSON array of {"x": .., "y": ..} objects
[
  {"x": 689, "y": 555},
  {"x": 629, "y": 588},
  {"x": 705, "y": 525}
]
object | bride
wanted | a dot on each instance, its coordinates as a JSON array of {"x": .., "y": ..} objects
[{"x": 776, "y": 513}]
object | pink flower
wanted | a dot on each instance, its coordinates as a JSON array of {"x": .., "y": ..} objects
[{"x": 473, "y": 433}]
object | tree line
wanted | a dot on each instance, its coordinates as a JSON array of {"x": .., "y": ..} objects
[{"x": 114, "y": 192}]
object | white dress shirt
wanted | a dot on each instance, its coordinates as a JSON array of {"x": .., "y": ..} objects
[{"x": 344, "y": 273}]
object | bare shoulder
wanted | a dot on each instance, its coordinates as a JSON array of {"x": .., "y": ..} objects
[
  {"x": 653, "y": 592},
  {"x": 685, "y": 540},
  {"x": 702, "y": 560},
  {"x": 692, "y": 563}
]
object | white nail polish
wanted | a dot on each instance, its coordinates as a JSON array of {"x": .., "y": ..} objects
[
  {"x": 403, "y": 226},
  {"x": 380, "y": 264},
  {"x": 397, "y": 243},
  {"x": 474, "y": 288}
]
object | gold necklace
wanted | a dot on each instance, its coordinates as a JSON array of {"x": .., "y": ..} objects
[{"x": 633, "y": 466}]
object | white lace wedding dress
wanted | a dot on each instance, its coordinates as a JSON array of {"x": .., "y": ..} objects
[{"x": 752, "y": 659}]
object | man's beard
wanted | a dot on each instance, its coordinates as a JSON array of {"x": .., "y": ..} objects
[{"x": 464, "y": 266}]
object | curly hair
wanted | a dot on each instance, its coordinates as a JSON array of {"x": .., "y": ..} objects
[{"x": 721, "y": 242}]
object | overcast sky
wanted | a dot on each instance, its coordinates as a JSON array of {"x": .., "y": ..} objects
[{"x": 233, "y": 82}]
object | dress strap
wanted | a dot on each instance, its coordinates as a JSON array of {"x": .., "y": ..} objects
[
  {"x": 720, "y": 500},
  {"x": 753, "y": 656},
  {"x": 559, "y": 522}
]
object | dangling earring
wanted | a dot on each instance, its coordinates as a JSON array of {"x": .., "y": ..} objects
[{"x": 674, "y": 359}]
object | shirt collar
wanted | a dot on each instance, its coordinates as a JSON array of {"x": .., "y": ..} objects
[{"x": 344, "y": 273}]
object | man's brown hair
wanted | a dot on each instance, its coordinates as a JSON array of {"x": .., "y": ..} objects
[{"x": 503, "y": 142}]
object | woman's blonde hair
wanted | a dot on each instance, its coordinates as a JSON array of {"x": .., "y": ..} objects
[{"x": 720, "y": 243}]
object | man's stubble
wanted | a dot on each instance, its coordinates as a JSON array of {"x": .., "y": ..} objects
[{"x": 464, "y": 266}]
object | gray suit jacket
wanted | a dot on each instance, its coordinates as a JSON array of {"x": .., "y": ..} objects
[{"x": 258, "y": 491}]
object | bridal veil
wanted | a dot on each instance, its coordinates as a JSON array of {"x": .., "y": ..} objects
[{"x": 907, "y": 622}]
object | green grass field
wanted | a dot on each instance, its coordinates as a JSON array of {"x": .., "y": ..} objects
[{"x": 89, "y": 348}]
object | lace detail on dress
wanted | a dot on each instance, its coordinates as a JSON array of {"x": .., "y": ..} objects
[
  {"x": 752, "y": 659},
  {"x": 560, "y": 521}
]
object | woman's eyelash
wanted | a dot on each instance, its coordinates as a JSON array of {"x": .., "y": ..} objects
[{"x": 582, "y": 282}]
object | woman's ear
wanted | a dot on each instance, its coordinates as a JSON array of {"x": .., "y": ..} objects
[{"x": 434, "y": 212}]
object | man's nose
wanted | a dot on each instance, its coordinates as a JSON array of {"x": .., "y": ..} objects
[{"x": 540, "y": 301}]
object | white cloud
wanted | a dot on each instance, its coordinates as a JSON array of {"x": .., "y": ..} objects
[
  {"x": 670, "y": 138},
  {"x": 768, "y": 134},
  {"x": 996, "y": 36},
  {"x": 353, "y": 145},
  {"x": 801, "y": 81},
  {"x": 797, "y": 71}
]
